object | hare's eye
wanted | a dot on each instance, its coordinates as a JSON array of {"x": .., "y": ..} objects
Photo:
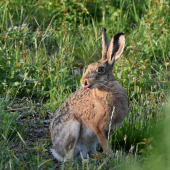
[{"x": 101, "y": 70}]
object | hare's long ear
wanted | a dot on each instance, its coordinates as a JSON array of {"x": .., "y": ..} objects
[
  {"x": 105, "y": 44},
  {"x": 116, "y": 48}
]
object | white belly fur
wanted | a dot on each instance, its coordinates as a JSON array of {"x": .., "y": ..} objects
[{"x": 86, "y": 143}]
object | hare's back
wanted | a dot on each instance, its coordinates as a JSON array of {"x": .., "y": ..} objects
[
  {"x": 119, "y": 101},
  {"x": 74, "y": 105}
]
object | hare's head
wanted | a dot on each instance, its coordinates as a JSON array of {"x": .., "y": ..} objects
[{"x": 100, "y": 73}]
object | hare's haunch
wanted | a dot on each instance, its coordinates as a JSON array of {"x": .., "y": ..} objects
[{"x": 83, "y": 119}]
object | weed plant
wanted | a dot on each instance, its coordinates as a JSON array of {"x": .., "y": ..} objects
[{"x": 45, "y": 47}]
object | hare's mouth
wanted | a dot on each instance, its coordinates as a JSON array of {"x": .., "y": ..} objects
[{"x": 86, "y": 85}]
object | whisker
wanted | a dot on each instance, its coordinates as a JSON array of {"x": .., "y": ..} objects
[{"x": 103, "y": 85}]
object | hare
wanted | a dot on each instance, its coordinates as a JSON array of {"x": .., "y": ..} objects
[{"x": 83, "y": 119}]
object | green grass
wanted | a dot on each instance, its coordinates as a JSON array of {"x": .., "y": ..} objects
[{"x": 43, "y": 43}]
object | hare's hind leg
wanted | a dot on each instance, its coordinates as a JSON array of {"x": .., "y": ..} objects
[
  {"x": 72, "y": 137},
  {"x": 64, "y": 138}
]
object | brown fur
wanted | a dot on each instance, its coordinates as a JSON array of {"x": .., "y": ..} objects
[{"x": 85, "y": 116}]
